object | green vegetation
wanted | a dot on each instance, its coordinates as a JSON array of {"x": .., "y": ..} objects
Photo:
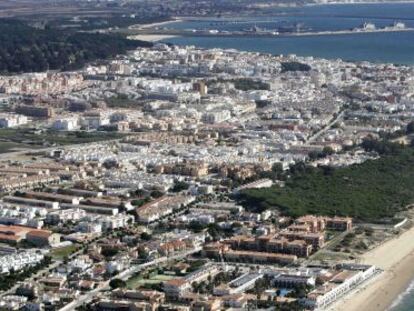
[
  {"x": 146, "y": 236},
  {"x": 121, "y": 101},
  {"x": 6, "y": 146},
  {"x": 50, "y": 137},
  {"x": 64, "y": 252},
  {"x": 117, "y": 283},
  {"x": 109, "y": 252},
  {"x": 7, "y": 281},
  {"x": 410, "y": 128},
  {"x": 139, "y": 281},
  {"x": 313, "y": 155},
  {"x": 140, "y": 202},
  {"x": 214, "y": 230},
  {"x": 196, "y": 264},
  {"x": 347, "y": 241},
  {"x": 381, "y": 147},
  {"x": 373, "y": 190},
  {"x": 249, "y": 84},
  {"x": 180, "y": 186},
  {"x": 27, "y": 49},
  {"x": 104, "y": 22},
  {"x": 207, "y": 287},
  {"x": 295, "y": 66},
  {"x": 156, "y": 194}
]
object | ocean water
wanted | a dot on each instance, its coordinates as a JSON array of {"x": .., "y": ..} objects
[
  {"x": 395, "y": 47},
  {"x": 391, "y": 47},
  {"x": 404, "y": 302}
]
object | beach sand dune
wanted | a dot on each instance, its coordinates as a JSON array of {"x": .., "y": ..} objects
[{"x": 396, "y": 258}]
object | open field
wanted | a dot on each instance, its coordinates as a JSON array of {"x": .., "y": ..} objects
[
  {"x": 6, "y": 146},
  {"x": 137, "y": 281},
  {"x": 21, "y": 138},
  {"x": 60, "y": 253}
]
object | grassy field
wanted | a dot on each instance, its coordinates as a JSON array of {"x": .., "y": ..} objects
[
  {"x": 6, "y": 146},
  {"x": 60, "y": 253},
  {"x": 137, "y": 281},
  {"x": 373, "y": 191},
  {"x": 27, "y": 137}
]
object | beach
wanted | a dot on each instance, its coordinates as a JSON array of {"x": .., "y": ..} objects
[
  {"x": 154, "y": 25},
  {"x": 151, "y": 38},
  {"x": 396, "y": 258}
]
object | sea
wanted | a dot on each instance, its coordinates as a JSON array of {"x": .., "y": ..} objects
[
  {"x": 386, "y": 47},
  {"x": 405, "y": 301}
]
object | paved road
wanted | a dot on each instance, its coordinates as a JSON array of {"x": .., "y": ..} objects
[
  {"x": 327, "y": 127},
  {"x": 124, "y": 275},
  {"x": 36, "y": 275}
]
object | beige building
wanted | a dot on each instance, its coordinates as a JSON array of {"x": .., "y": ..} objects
[{"x": 42, "y": 238}]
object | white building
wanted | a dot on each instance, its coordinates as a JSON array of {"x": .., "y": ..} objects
[
  {"x": 8, "y": 120},
  {"x": 218, "y": 116},
  {"x": 324, "y": 295},
  {"x": 19, "y": 261},
  {"x": 66, "y": 124}
]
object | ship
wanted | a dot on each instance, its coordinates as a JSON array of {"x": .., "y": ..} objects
[
  {"x": 292, "y": 28},
  {"x": 366, "y": 27}
]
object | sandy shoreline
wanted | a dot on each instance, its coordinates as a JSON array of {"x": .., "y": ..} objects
[
  {"x": 361, "y": 2},
  {"x": 396, "y": 258},
  {"x": 153, "y": 25},
  {"x": 151, "y": 38}
]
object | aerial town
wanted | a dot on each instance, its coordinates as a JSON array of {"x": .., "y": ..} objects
[{"x": 149, "y": 219}]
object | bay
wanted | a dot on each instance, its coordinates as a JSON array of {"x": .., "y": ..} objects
[{"x": 389, "y": 47}]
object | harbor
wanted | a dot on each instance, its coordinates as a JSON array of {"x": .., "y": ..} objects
[{"x": 297, "y": 29}]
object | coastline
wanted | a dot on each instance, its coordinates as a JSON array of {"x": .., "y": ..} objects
[
  {"x": 396, "y": 258},
  {"x": 146, "y": 26},
  {"x": 359, "y": 2},
  {"x": 151, "y": 38}
]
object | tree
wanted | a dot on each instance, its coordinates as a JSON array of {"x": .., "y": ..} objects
[
  {"x": 146, "y": 236},
  {"x": 295, "y": 66},
  {"x": 196, "y": 226},
  {"x": 410, "y": 127},
  {"x": 109, "y": 252},
  {"x": 117, "y": 283},
  {"x": 27, "y": 49},
  {"x": 139, "y": 192},
  {"x": 180, "y": 186},
  {"x": 383, "y": 147},
  {"x": 277, "y": 168},
  {"x": 157, "y": 194},
  {"x": 327, "y": 151},
  {"x": 313, "y": 155}
]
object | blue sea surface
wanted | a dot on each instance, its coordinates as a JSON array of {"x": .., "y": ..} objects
[
  {"x": 405, "y": 302},
  {"x": 389, "y": 47}
]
